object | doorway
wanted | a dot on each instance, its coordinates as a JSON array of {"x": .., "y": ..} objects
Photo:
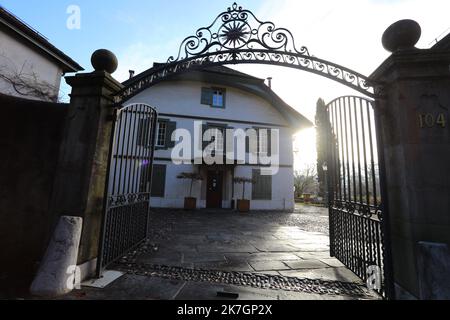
[{"x": 214, "y": 193}]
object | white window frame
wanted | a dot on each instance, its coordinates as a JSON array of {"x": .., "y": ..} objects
[{"x": 161, "y": 136}]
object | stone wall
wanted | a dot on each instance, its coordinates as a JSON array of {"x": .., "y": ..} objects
[
  {"x": 414, "y": 125},
  {"x": 30, "y": 137}
]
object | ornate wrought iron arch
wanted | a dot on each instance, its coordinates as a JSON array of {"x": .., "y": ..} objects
[{"x": 237, "y": 36}]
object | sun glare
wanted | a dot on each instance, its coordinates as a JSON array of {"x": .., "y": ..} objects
[{"x": 305, "y": 153}]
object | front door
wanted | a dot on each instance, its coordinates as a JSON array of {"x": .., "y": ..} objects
[{"x": 214, "y": 192}]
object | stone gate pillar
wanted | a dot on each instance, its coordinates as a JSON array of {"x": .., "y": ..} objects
[
  {"x": 80, "y": 183},
  {"x": 414, "y": 125}
]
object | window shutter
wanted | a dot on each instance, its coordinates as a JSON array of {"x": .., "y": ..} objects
[
  {"x": 262, "y": 189},
  {"x": 207, "y": 96},
  {"x": 159, "y": 181},
  {"x": 267, "y": 187},
  {"x": 170, "y": 129},
  {"x": 269, "y": 142},
  {"x": 224, "y": 92},
  {"x": 247, "y": 144}
]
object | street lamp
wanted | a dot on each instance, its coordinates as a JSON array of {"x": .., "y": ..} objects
[{"x": 325, "y": 170}]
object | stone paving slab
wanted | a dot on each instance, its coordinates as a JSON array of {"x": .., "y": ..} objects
[
  {"x": 269, "y": 266},
  {"x": 262, "y": 256},
  {"x": 225, "y": 248},
  {"x": 275, "y": 247},
  {"x": 334, "y": 274},
  {"x": 203, "y": 257},
  {"x": 131, "y": 287},
  {"x": 306, "y": 264},
  {"x": 335, "y": 263},
  {"x": 313, "y": 255}
]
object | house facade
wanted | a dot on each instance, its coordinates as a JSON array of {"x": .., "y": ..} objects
[
  {"x": 30, "y": 66},
  {"x": 218, "y": 99}
]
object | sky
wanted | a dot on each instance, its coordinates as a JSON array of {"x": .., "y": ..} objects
[{"x": 140, "y": 32}]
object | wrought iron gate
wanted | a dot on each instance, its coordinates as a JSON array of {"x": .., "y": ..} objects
[
  {"x": 356, "y": 194},
  {"x": 127, "y": 202}
]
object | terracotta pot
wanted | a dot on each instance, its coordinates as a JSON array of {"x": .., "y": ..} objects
[
  {"x": 190, "y": 203},
  {"x": 243, "y": 205}
]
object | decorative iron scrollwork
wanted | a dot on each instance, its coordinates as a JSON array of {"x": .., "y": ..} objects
[
  {"x": 127, "y": 199},
  {"x": 237, "y": 36},
  {"x": 360, "y": 209},
  {"x": 237, "y": 29},
  {"x": 364, "y": 210}
]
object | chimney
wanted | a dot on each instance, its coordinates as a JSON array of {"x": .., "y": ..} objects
[
  {"x": 269, "y": 79},
  {"x": 131, "y": 73}
]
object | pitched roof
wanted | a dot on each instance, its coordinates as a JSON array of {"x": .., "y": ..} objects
[
  {"x": 239, "y": 80},
  {"x": 443, "y": 44},
  {"x": 24, "y": 31}
]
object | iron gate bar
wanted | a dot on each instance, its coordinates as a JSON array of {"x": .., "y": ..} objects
[
  {"x": 387, "y": 253},
  {"x": 237, "y": 36},
  {"x": 128, "y": 187},
  {"x": 357, "y": 227},
  {"x": 103, "y": 229}
]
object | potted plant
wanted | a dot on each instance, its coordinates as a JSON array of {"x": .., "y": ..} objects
[
  {"x": 190, "y": 203},
  {"x": 243, "y": 205}
]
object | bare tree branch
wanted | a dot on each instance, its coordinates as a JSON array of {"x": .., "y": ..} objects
[
  {"x": 305, "y": 181},
  {"x": 26, "y": 84}
]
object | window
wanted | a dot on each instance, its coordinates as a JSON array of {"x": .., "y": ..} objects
[
  {"x": 164, "y": 131},
  {"x": 262, "y": 189},
  {"x": 158, "y": 180},
  {"x": 214, "y": 97},
  {"x": 161, "y": 134},
  {"x": 218, "y": 99}
]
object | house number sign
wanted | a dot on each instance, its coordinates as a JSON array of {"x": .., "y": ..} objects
[{"x": 429, "y": 120}]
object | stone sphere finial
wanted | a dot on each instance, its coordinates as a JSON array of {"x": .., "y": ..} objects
[
  {"x": 403, "y": 34},
  {"x": 104, "y": 60}
]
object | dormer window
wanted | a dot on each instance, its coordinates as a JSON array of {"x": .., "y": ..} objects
[{"x": 214, "y": 97}]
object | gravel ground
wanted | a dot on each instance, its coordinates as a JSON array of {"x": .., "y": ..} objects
[{"x": 309, "y": 218}]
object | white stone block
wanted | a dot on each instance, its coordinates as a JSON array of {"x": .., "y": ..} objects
[{"x": 58, "y": 273}]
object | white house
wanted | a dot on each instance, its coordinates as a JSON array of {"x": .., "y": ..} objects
[
  {"x": 221, "y": 98},
  {"x": 30, "y": 66}
]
